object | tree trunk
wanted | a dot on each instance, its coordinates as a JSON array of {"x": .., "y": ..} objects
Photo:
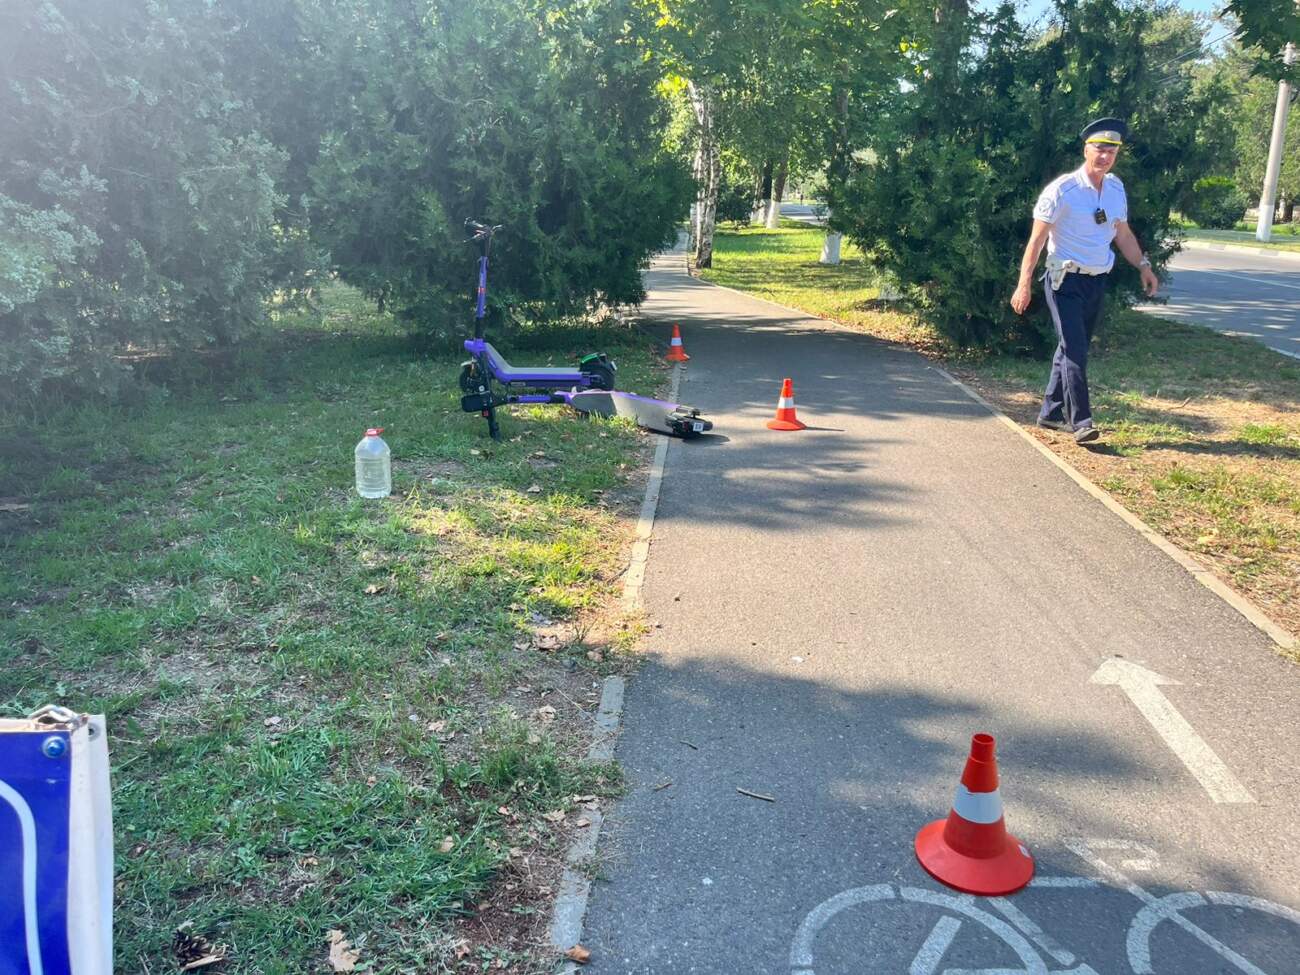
[
  {"x": 778, "y": 191},
  {"x": 708, "y": 171},
  {"x": 838, "y": 171},
  {"x": 758, "y": 213},
  {"x": 1288, "y": 210}
]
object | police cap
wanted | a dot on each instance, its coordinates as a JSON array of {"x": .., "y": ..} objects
[{"x": 1107, "y": 131}]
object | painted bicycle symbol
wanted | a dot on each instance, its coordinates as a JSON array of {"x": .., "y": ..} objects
[{"x": 999, "y": 917}]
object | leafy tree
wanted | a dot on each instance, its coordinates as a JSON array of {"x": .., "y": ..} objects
[
  {"x": 942, "y": 194},
  {"x": 1216, "y": 203},
  {"x": 767, "y": 78},
  {"x": 1254, "y": 131},
  {"x": 137, "y": 197},
  {"x": 539, "y": 116},
  {"x": 1267, "y": 26}
]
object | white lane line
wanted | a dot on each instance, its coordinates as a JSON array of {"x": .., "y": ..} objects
[
  {"x": 1238, "y": 276},
  {"x": 1036, "y": 934},
  {"x": 1142, "y": 687},
  {"x": 1138, "y": 943},
  {"x": 930, "y": 957},
  {"x": 1064, "y": 882}
]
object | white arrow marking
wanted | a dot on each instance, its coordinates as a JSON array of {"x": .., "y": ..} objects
[{"x": 1142, "y": 687}]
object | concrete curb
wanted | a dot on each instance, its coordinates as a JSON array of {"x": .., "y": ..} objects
[
  {"x": 634, "y": 578},
  {"x": 575, "y": 886},
  {"x": 1198, "y": 572},
  {"x": 1204, "y": 576},
  {"x": 1210, "y": 245}
]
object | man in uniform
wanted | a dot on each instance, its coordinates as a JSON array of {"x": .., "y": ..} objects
[{"x": 1078, "y": 215}]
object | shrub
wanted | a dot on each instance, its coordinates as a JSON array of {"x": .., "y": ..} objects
[
  {"x": 1215, "y": 203},
  {"x": 137, "y": 201},
  {"x": 941, "y": 196}
]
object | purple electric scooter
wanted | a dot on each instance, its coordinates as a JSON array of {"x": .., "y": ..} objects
[{"x": 588, "y": 389}]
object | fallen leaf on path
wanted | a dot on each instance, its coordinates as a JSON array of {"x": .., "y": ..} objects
[
  {"x": 554, "y": 816},
  {"x": 578, "y": 953},
  {"x": 343, "y": 957},
  {"x": 583, "y": 822},
  {"x": 373, "y": 589},
  {"x": 14, "y": 506},
  {"x": 545, "y": 714},
  {"x": 446, "y": 845},
  {"x": 548, "y": 642},
  {"x": 534, "y": 489}
]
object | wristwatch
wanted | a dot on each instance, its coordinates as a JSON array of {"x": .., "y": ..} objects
[{"x": 1145, "y": 262}]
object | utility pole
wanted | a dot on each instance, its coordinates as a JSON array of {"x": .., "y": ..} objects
[{"x": 1268, "y": 200}]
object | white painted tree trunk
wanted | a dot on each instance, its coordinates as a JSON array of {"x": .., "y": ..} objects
[
  {"x": 831, "y": 249},
  {"x": 773, "y": 215},
  {"x": 708, "y": 171}
]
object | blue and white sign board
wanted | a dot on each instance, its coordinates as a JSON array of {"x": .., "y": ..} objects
[{"x": 56, "y": 846}]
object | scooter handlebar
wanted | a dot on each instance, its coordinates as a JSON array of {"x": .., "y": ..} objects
[{"x": 481, "y": 231}]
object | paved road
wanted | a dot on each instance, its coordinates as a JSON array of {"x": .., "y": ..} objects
[
  {"x": 840, "y": 609},
  {"x": 803, "y": 211},
  {"x": 1242, "y": 294},
  {"x": 1257, "y": 296}
]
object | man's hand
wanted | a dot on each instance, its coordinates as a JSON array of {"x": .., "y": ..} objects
[
  {"x": 1150, "y": 283},
  {"x": 1020, "y": 300}
]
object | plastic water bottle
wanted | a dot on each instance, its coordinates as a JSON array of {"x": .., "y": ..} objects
[{"x": 374, "y": 466}]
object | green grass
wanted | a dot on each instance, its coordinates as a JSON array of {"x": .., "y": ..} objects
[
  {"x": 783, "y": 266},
  {"x": 306, "y": 693},
  {"x": 1202, "y": 430},
  {"x": 1283, "y": 238}
]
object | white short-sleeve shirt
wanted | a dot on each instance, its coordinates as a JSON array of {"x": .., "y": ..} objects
[{"x": 1069, "y": 203}]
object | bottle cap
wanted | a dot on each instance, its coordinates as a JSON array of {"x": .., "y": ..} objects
[{"x": 374, "y": 431}]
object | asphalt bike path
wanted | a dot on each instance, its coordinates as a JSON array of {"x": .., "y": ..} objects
[{"x": 836, "y": 611}]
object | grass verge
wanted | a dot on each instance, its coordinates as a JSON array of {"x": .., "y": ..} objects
[
  {"x": 324, "y": 713},
  {"x": 1202, "y": 429},
  {"x": 1280, "y": 241}
]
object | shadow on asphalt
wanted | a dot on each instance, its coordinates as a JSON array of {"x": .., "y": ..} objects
[{"x": 698, "y": 877}]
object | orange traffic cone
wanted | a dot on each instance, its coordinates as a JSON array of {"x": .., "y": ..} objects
[
  {"x": 675, "y": 351},
  {"x": 971, "y": 849},
  {"x": 785, "y": 418}
]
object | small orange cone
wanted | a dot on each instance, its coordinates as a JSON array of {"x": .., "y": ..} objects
[
  {"x": 971, "y": 850},
  {"x": 785, "y": 418},
  {"x": 675, "y": 351}
]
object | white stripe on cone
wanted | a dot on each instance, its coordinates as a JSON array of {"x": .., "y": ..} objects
[
  {"x": 675, "y": 341},
  {"x": 977, "y": 807},
  {"x": 785, "y": 403}
]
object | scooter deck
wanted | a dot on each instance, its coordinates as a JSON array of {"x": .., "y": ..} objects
[
  {"x": 528, "y": 375},
  {"x": 653, "y": 414}
]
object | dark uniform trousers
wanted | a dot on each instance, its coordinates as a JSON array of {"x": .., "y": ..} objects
[{"x": 1076, "y": 309}]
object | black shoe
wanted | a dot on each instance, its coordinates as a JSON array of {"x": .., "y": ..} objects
[
  {"x": 1055, "y": 425},
  {"x": 1087, "y": 434}
]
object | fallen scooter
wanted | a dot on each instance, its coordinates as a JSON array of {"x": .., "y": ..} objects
[{"x": 588, "y": 389}]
